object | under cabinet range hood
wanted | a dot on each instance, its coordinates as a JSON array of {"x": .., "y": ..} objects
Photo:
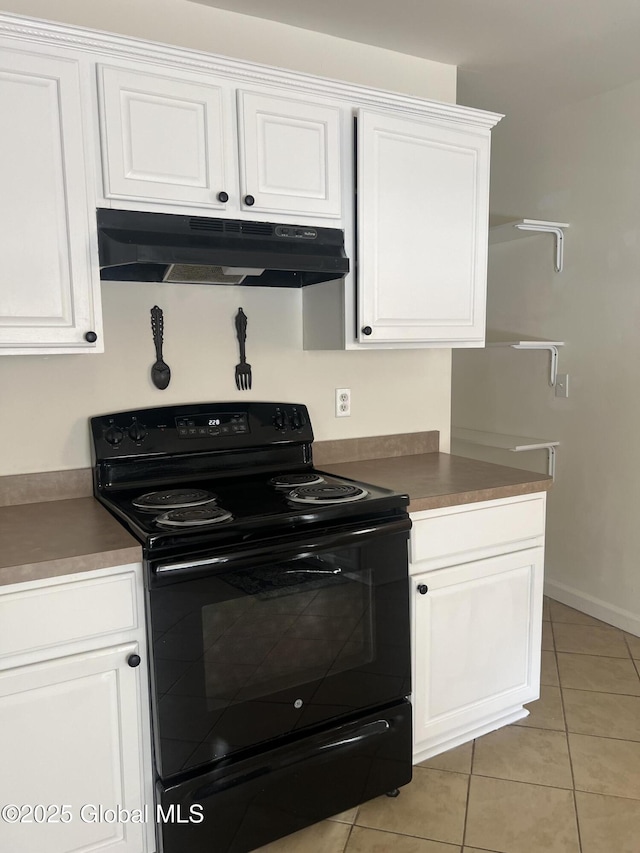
[{"x": 139, "y": 246}]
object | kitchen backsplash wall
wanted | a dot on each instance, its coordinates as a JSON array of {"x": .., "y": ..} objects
[{"x": 46, "y": 400}]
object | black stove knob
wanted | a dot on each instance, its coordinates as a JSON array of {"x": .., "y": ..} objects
[
  {"x": 279, "y": 420},
  {"x": 296, "y": 420},
  {"x": 113, "y": 435},
  {"x": 137, "y": 431}
]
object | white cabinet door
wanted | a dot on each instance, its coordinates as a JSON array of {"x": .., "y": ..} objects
[
  {"x": 70, "y": 735},
  {"x": 49, "y": 291},
  {"x": 166, "y": 139},
  {"x": 289, "y": 155},
  {"x": 423, "y": 194},
  {"x": 476, "y": 646}
]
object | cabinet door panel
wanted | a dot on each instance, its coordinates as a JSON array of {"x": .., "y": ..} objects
[
  {"x": 69, "y": 736},
  {"x": 477, "y": 642},
  {"x": 164, "y": 139},
  {"x": 46, "y": 298},
  {"x": 423, "y": 210},
  {"x": 289, "y": 154}
]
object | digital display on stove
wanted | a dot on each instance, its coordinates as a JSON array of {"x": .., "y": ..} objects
[{"x": 211, "y": 424}]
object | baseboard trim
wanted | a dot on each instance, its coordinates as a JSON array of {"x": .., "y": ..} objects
[
  {"x": 422, "y": 753},
  {"x": 595, "y": 607}
]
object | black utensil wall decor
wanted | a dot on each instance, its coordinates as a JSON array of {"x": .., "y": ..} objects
[
  {"x": 243, "y": 370},
  {"x": 160, "y": 372}
]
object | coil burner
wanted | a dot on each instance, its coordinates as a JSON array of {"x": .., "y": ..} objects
[
  {"x": 173, "y": 499},
  {"x": 327, "y": 493},
  {"x": 194, "y": 516}
]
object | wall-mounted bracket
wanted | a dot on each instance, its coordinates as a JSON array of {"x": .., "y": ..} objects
[
  {"x": 527, "y": 227},
  {"x": 514, "y": 443},
  {"x": 552, "y": 346},
  {"x": 551, "y": 460}
]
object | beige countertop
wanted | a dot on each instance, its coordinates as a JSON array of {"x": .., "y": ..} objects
[
  {"x": 48, "y": 538},
  {"x": 53, "y": 538},
  {"x": 435, "y": 480}
]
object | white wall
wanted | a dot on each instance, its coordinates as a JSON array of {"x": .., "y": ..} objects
[
  {"x": 580, "y": 165},
  {"x": 186, "y": 24},
  {"x": 45, "y": 400}
]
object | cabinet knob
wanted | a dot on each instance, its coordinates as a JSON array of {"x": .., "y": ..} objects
[
  {"x": 249, "y": 200},
  {"x": 91, "y": 337},
  {"x": 223, "y": 197},
  {"x": 366, "y": 330},
  {"x": 423, "y": 589},
  {"x": 134, "y": 660}
]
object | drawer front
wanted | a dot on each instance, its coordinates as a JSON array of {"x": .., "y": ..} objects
[
  {"x": 56, "y": 614},
  {"x": 438, "y": 534}
]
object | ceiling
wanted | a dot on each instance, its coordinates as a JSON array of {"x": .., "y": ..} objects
[{"x": 511, "y": 54}]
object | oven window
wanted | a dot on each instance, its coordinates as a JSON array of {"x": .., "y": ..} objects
[
  {"x": 293, "y": 623},
  {"x": 262, "y": 651}
]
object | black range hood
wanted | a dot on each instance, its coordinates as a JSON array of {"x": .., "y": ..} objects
[{"x": 138, "y": 246}]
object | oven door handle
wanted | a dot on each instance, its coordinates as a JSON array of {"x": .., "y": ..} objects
[{"x": 297, "y": 548}]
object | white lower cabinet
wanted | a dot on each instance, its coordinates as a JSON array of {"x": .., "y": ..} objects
[
  {"x": 74, "y": 722},
  {"x": 476, "y": 622}
]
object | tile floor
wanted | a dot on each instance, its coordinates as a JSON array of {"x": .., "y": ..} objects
[{"x": 566, "y": 779}]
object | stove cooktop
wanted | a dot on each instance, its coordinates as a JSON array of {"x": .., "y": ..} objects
[
  {"x": 199, "y": 476},
  {"x": 240, "y": 506}
]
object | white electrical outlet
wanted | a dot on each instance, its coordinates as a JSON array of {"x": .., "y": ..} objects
[
  {"x": 343, "y": 402},
  {"x": 562, "y": 385}
]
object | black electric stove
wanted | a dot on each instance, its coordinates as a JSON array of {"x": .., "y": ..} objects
[
  {"x": 254, "y": 462},
  {"x": 278, "y": 619}
]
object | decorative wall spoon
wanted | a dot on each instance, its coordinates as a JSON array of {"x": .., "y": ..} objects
[{"x": 160, "y": 372}]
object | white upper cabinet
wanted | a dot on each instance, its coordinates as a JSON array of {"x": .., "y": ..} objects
[
  {"x": 289, "y": 155},
  {"x": 179, "y": 141},
  {"x": 423, "y": 198},
  {"x": 165, "y": 139},
  {"x": 49, "y": 295}
]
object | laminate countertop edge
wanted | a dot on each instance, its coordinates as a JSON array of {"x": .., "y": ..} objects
[{"x": 56, "y": 538}]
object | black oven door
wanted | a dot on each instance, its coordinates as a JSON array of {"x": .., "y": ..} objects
[{"x": 269, "y": 642}]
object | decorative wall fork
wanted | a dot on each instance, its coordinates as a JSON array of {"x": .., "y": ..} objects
[{"x": 243, "y": 370}]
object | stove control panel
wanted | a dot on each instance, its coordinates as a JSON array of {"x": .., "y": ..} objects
[
  {"x": 212, "y": 424},
  {"x": 199, "y": 427}
]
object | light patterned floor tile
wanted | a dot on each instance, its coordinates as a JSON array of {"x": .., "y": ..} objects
[
  {"x": 524, "y": 755},
  {"x": 514, "y": 817},
  {"x": 456, "y": 760},
  {"x": 546, "y": 616},
  {"x": 605, "y": 675},
  {"x": 375, "y": 841},
  {"x": 549, "y": 669},
  {"x": 545, "y": 712},
  {"x": 346, "y": 817},
  {"x": 634, "y": 645},
  {"x": 547, "y": 637},
  {"x": 562, "y": 613},
  {"x": 608, "y": 824},
  {"x": 326, "y": 837},
  {"x": 602, "y": 714},
  {"x": 431, "y": 806},
  {"x": 588, "y": 640},
  {"x": 606, "y": 766}
]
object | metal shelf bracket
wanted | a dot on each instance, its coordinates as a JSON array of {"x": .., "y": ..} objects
[
  {"x": 551, "y": 461},
  {"x": 553, "y": 351},
  {"x": 558, "y": 234}
]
